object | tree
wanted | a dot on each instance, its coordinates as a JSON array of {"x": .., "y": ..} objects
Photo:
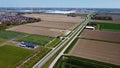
[
  {"x": 72, "y": 14},
  {"x": 3, "y": 26}
]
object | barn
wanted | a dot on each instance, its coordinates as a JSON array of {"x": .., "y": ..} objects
[{"x": 26, "y": 44}]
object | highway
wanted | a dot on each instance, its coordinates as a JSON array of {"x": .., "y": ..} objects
[{"x": 68, "y": 40}]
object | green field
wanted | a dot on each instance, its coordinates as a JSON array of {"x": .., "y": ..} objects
[
  {"x": 10, "y": 56},
  {"x": 41, "y": 52},
  {"x": 9, "y": 34},
  {"x": 2, "y": 40},
  {"x": 53, "y": 43},
  {"x": 82, "y": 15},
  {"x": 78, "y": 62},
  {"x": 36, "y": 39},
  {"x": 40, "y": 40},
  {"x": 108, "y": 26}
]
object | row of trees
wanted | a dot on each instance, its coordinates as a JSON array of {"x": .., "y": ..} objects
[
  {"x": 101, "y": 17},
  {"x": 72, "y": 15}
]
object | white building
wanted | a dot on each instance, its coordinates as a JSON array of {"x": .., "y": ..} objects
[
  {"x": 60, "y": 12},
  {"x": 90, "y": 27}
]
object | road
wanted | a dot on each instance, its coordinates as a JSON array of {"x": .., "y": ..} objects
[
  {"x": 69, "y": 39},
  {"x": 80, "y": 28}
]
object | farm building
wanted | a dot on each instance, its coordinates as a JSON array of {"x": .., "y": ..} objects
[
  {"x": 26, "y": 44},
  {"x": 90, "y": 27}
]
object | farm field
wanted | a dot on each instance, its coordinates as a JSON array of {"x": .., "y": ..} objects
[
  {"x": 107, "y": 26},
  {"x": 96, "y": 50},
  {"x": 40, "y": 40},
  {"x": 11, "y": 56},
  {"x": 57, "y": 25},
  {"x": 116, "y": 18},
  {"x": 31, "y": 38},
  {"x": 101, "y": 35},
  {"x": 56, "y": 18},
  {"x": 52, "y": 25},
  {"x": 9, "y": 34},
  {"x": 101, "y": 21},
  {"x": 67, "y": 61},
  {"x": 38, "y": 30}
]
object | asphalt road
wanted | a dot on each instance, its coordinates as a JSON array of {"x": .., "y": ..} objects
[
  {"x": 69, "y": 39},
  {"x": 72, "y": 38}
]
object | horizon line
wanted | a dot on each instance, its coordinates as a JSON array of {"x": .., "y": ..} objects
[{"x": 64, "y": 7}]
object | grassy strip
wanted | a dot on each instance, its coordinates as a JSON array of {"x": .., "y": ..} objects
[
  {"x": 71, "y": 46},
  {"x": 55, "y": 55},
  {"x": 73, "y": 61},
  {"x": 42, "y": 51},
  {"x": 2, "y": 40},
  {"x": 58, "y": 64},
  {"x": 53, "y": 43},
  {"x": 46, "y": 65},
  {"x": 101, "y": 40}
]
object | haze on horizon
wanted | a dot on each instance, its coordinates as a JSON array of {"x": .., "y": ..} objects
[{"x": 61, "y": 3}]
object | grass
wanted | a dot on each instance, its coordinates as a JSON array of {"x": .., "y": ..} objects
[
  {"x": 10, "y": 56},
  {"x": 53, "y": 43},
  {"x": 9, "y": 34},
  {"x": 36, "y": 39},
  {"x": 46, "y": 65},
  {"x": 82, "y": 15},
  {"x": 2, "y": 40},
  {"x": 41, "y": 52},
  {"x": 79, "y": 62},
  {"x": 71, "y": 46},
  {"x": 108, "y": 26}
]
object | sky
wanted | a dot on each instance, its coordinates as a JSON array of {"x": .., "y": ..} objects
[{"x": 61, "y": 3}]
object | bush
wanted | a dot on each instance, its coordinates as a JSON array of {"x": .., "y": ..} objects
[{"x": 3, "y": 26}]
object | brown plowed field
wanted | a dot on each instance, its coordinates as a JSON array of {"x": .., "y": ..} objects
[
  {"x": 101, "y": 21},
  {"x": 100, "y": 51},
  {"x": 51, "y": 25},
  {"x": 101, "y": 35},
  {"x": 54, "y": 17},
  {"x": 38, "y": 30},
  {"x": 58, "y": 25}
]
